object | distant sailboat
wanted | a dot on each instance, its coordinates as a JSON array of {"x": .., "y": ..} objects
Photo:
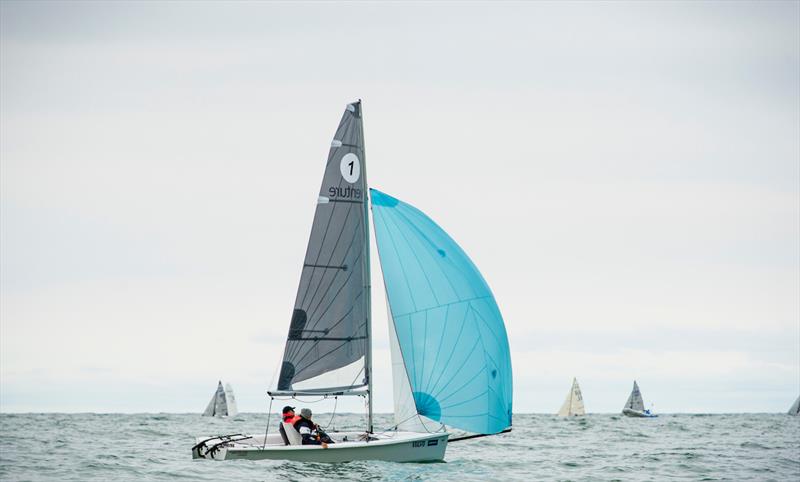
[
  {"x": 573, "y": 405},
  {"x": 634, "y": 407},
  {"x": 223, "y": 403},
  {"x": 795, "y": 410}
]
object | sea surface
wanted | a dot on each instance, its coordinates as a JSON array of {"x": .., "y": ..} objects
[{"x": 88, "y": 447}]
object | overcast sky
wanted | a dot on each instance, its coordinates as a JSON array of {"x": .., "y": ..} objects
[{"x": 625, "y": 175}]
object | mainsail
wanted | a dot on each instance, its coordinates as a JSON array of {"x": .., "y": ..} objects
[
  {"x": 573, "y": 405},
  {"x": 795, "y": 408},
  {"x": 222, "y": 404},
  {"x": 328, "y": 344},
  {"x": 450, "y": 354},
  {"x": 635, "y": 401}
]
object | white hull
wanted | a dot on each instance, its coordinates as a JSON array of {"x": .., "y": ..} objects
[
  {"x": 635, "y": 413},
  {"x": 390, "y": 446}
]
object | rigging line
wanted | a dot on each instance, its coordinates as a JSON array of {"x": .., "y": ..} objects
[
  {"x": 392, "y": 323},
  {"x": 396, "y": 426},
  {"x": 333, "y": 414},
  {"x": 452, "y": 351},
  {"x": 353, "y": 383},
  {"x": 310, "y": 348},
  {"x": 269, "y": 414},
  {"x": 428, "y": 220},
  {"x": 397, "y": 254}
]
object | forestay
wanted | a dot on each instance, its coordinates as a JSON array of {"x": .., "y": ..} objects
[
  {"x": 329, "y": 332},
  {"x": 449, "y": 345},
  {"x": 635, "y": 401}
]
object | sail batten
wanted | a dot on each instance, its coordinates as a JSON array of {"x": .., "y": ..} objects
[{"x": 449, "y": 331}]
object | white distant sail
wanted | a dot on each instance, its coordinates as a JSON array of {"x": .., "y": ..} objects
[
  {"x": 795, "y": 410},
  {"x": 222, "y": 404},
  {"x": 233, "y": 410},
  {"x": 573, "y": 405}
]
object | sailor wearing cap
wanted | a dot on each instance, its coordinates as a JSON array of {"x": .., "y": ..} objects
[
  {"x": 308, "y": 429},
  {"x": 288, "y": 415}
]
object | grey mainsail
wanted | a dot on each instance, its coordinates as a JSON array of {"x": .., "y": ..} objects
[
  {"x": 795, "y": 409},
  {"x": 329, "y": 330},
  {"x": 218, "y": 406},
  {"x": 635, "y": 401}
]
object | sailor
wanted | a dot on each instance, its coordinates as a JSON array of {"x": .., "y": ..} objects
[
  {"x": 310, "y": 431},
  {"x": 288, "y": 415}
]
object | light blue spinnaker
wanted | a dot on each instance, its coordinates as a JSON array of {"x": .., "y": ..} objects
[{"x": 448, "y": 326}]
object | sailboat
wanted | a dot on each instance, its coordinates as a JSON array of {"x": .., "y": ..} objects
[
  {"x": 451, "y": 364},
  {"x": 634, "y": 407},
  {"x": 795, "y": 408},
  {"x": 573, "y": 405},
  {"x": 223, "y": 403}
]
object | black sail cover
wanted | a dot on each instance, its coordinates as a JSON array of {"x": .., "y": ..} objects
[{"x": 329, "y": 328}]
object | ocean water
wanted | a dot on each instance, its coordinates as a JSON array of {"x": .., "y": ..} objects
[{"x": 88, "y": 447}]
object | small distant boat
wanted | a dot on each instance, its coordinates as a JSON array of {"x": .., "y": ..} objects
[
  {"x": 223, "y": 403},
  {"x": 634, "y": 407},
  {"x": 795, "y": 409},
  {"x": 573, "y": 405}
]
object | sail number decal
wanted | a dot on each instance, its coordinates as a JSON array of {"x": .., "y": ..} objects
[
  {"x": 350, "y": 167},
  {"x": 422, "y": 443}
]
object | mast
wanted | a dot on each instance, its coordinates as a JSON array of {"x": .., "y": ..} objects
[{"x": 367, "y": 274}]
